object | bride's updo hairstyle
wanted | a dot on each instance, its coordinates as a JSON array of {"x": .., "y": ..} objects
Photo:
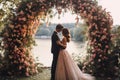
[{"x": 66, "y": 34}]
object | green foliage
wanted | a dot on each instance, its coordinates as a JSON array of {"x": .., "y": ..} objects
[
  {"x": 116, "y": 48},
  {"x": 79, "y": 33},
  {"x": 117, "y": 36},
  {"x": 43, "y": 32},
  {"x": 47, "y": 31},
  {"x": 7, "y": 8}
]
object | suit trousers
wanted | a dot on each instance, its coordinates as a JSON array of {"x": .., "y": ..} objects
[{"x": 54, "y": 63}]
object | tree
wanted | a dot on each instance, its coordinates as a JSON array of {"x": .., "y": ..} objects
[
  {"x": 43, "y": 32},
  {"x": 79, "y": 32}
]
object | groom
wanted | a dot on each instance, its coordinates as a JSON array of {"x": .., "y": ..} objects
[{"x": 55, "y": 48}]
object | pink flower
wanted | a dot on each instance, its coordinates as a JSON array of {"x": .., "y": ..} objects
[
  {"x": 27, "y": 74},
  {"x": 91, "y": 71},
  {"x": 99, "y": 60},
  {"x": 94, "y": 55},
  {"x": 20, "y": 67},
  {"x": 11, "y": 26},
  {"x": 107, "y": 46},
  {"x": 85, "y": 63}
]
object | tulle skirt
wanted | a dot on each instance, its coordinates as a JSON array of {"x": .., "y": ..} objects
[{"x": 67, "y": 69}]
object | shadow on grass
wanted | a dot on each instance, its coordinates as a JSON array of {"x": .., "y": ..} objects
[{"x": 42, "y": 75}]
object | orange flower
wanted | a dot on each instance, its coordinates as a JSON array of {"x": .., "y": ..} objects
[
  {"x": 29, "y": 6},
  {"x": 5, "y": 34},
  {"x": 11, "y": 26},
  {"x": 30, "y": 17}
]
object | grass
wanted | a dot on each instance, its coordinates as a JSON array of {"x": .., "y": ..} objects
[{"x": 44, "y": 75}]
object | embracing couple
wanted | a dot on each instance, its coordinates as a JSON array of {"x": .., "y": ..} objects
[{"x": 63, "y": 67}]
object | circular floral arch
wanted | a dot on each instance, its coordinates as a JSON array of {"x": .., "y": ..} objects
[{"x": 18, "y": 33}]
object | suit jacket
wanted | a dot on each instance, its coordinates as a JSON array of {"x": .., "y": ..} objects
[{"x": 55, "y": 48}]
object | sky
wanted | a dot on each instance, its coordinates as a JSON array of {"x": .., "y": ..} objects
[
  {"x": 67, "y": 17},
  {"x": 111, "y": 6}
]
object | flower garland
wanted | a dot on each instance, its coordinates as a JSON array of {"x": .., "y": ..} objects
[
  {"x": 18, "y": 38},
  {"x": 18, "y": 34},
  {"x": 99, "y": 26}
]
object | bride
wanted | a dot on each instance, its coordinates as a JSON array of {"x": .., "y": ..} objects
[{"x": 66, "y": 68}]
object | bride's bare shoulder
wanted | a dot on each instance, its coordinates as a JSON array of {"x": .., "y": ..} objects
[{"x": 64, "y": 40}]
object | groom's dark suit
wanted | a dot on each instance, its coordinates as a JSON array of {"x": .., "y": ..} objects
[{"x": 55, "y": 48}]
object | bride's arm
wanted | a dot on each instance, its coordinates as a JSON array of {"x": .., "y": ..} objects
[
  {"x": 64, "y": 41},
  {"x": 61, "y": 44}
]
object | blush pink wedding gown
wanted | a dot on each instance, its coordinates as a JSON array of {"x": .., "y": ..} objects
[{"x": 67, "y": 69}]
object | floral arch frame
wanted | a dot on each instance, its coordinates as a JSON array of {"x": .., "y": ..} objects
[{"x": 18, "y": 33}]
